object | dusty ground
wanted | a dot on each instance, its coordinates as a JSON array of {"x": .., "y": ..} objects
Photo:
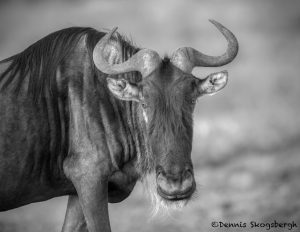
[{"x": 247, "y": 138}]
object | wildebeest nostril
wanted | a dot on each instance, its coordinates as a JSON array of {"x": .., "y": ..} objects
[
  {"x": 188, "y": 173},
  {"x": 187, "y": 180}
]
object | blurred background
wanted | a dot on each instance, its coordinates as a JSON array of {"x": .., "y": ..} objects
[{"x": 246, "y": 138}]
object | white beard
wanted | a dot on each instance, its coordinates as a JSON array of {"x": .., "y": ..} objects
[{"x": 159, "y": 205}]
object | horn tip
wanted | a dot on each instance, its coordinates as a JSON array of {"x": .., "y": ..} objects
[
  {"x": 216, "y": 23},
  {"x": 114, "y": 29}
]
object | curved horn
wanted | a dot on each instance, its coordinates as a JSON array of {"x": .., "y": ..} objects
[
  {"x": 187, "y": 58},
  {"x": 145, "y": 61}
]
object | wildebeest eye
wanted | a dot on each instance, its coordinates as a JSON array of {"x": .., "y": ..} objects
[
  {"x": 144, "y": 105},
  {"x": 194, "y": 100}
]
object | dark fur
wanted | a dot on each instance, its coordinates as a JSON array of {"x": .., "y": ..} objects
[
  {"x": 39, "y": 63},
  {"x": 31, "y": 77}
]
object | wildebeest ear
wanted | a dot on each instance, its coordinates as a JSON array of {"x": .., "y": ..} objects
[
  {"x": 123, "y": 90},
  {"x": 213, "y": 83}
]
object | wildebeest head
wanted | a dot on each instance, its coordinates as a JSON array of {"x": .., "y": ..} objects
[{"x": 167, "y": 95}]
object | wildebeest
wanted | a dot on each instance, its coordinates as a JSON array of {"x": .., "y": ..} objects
[{"x": 87, "y": 114}]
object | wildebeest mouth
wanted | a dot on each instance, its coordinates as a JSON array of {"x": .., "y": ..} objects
[{"x": 177, "y": 196}]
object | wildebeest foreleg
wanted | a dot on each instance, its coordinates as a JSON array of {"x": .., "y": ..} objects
[
  {"x": 93, "y": 197},
  {"x": 88, "y": 164},
  {"x": 74, "y": 219}
]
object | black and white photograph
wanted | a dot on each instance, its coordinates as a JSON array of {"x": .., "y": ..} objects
[{"x": 147, "y": 116}]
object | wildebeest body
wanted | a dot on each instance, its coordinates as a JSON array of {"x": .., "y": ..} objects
[
  {"x": 28, "y": 172},
  {"x": 35, "y": 128},
  {"x": 86, "y": 114}
]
